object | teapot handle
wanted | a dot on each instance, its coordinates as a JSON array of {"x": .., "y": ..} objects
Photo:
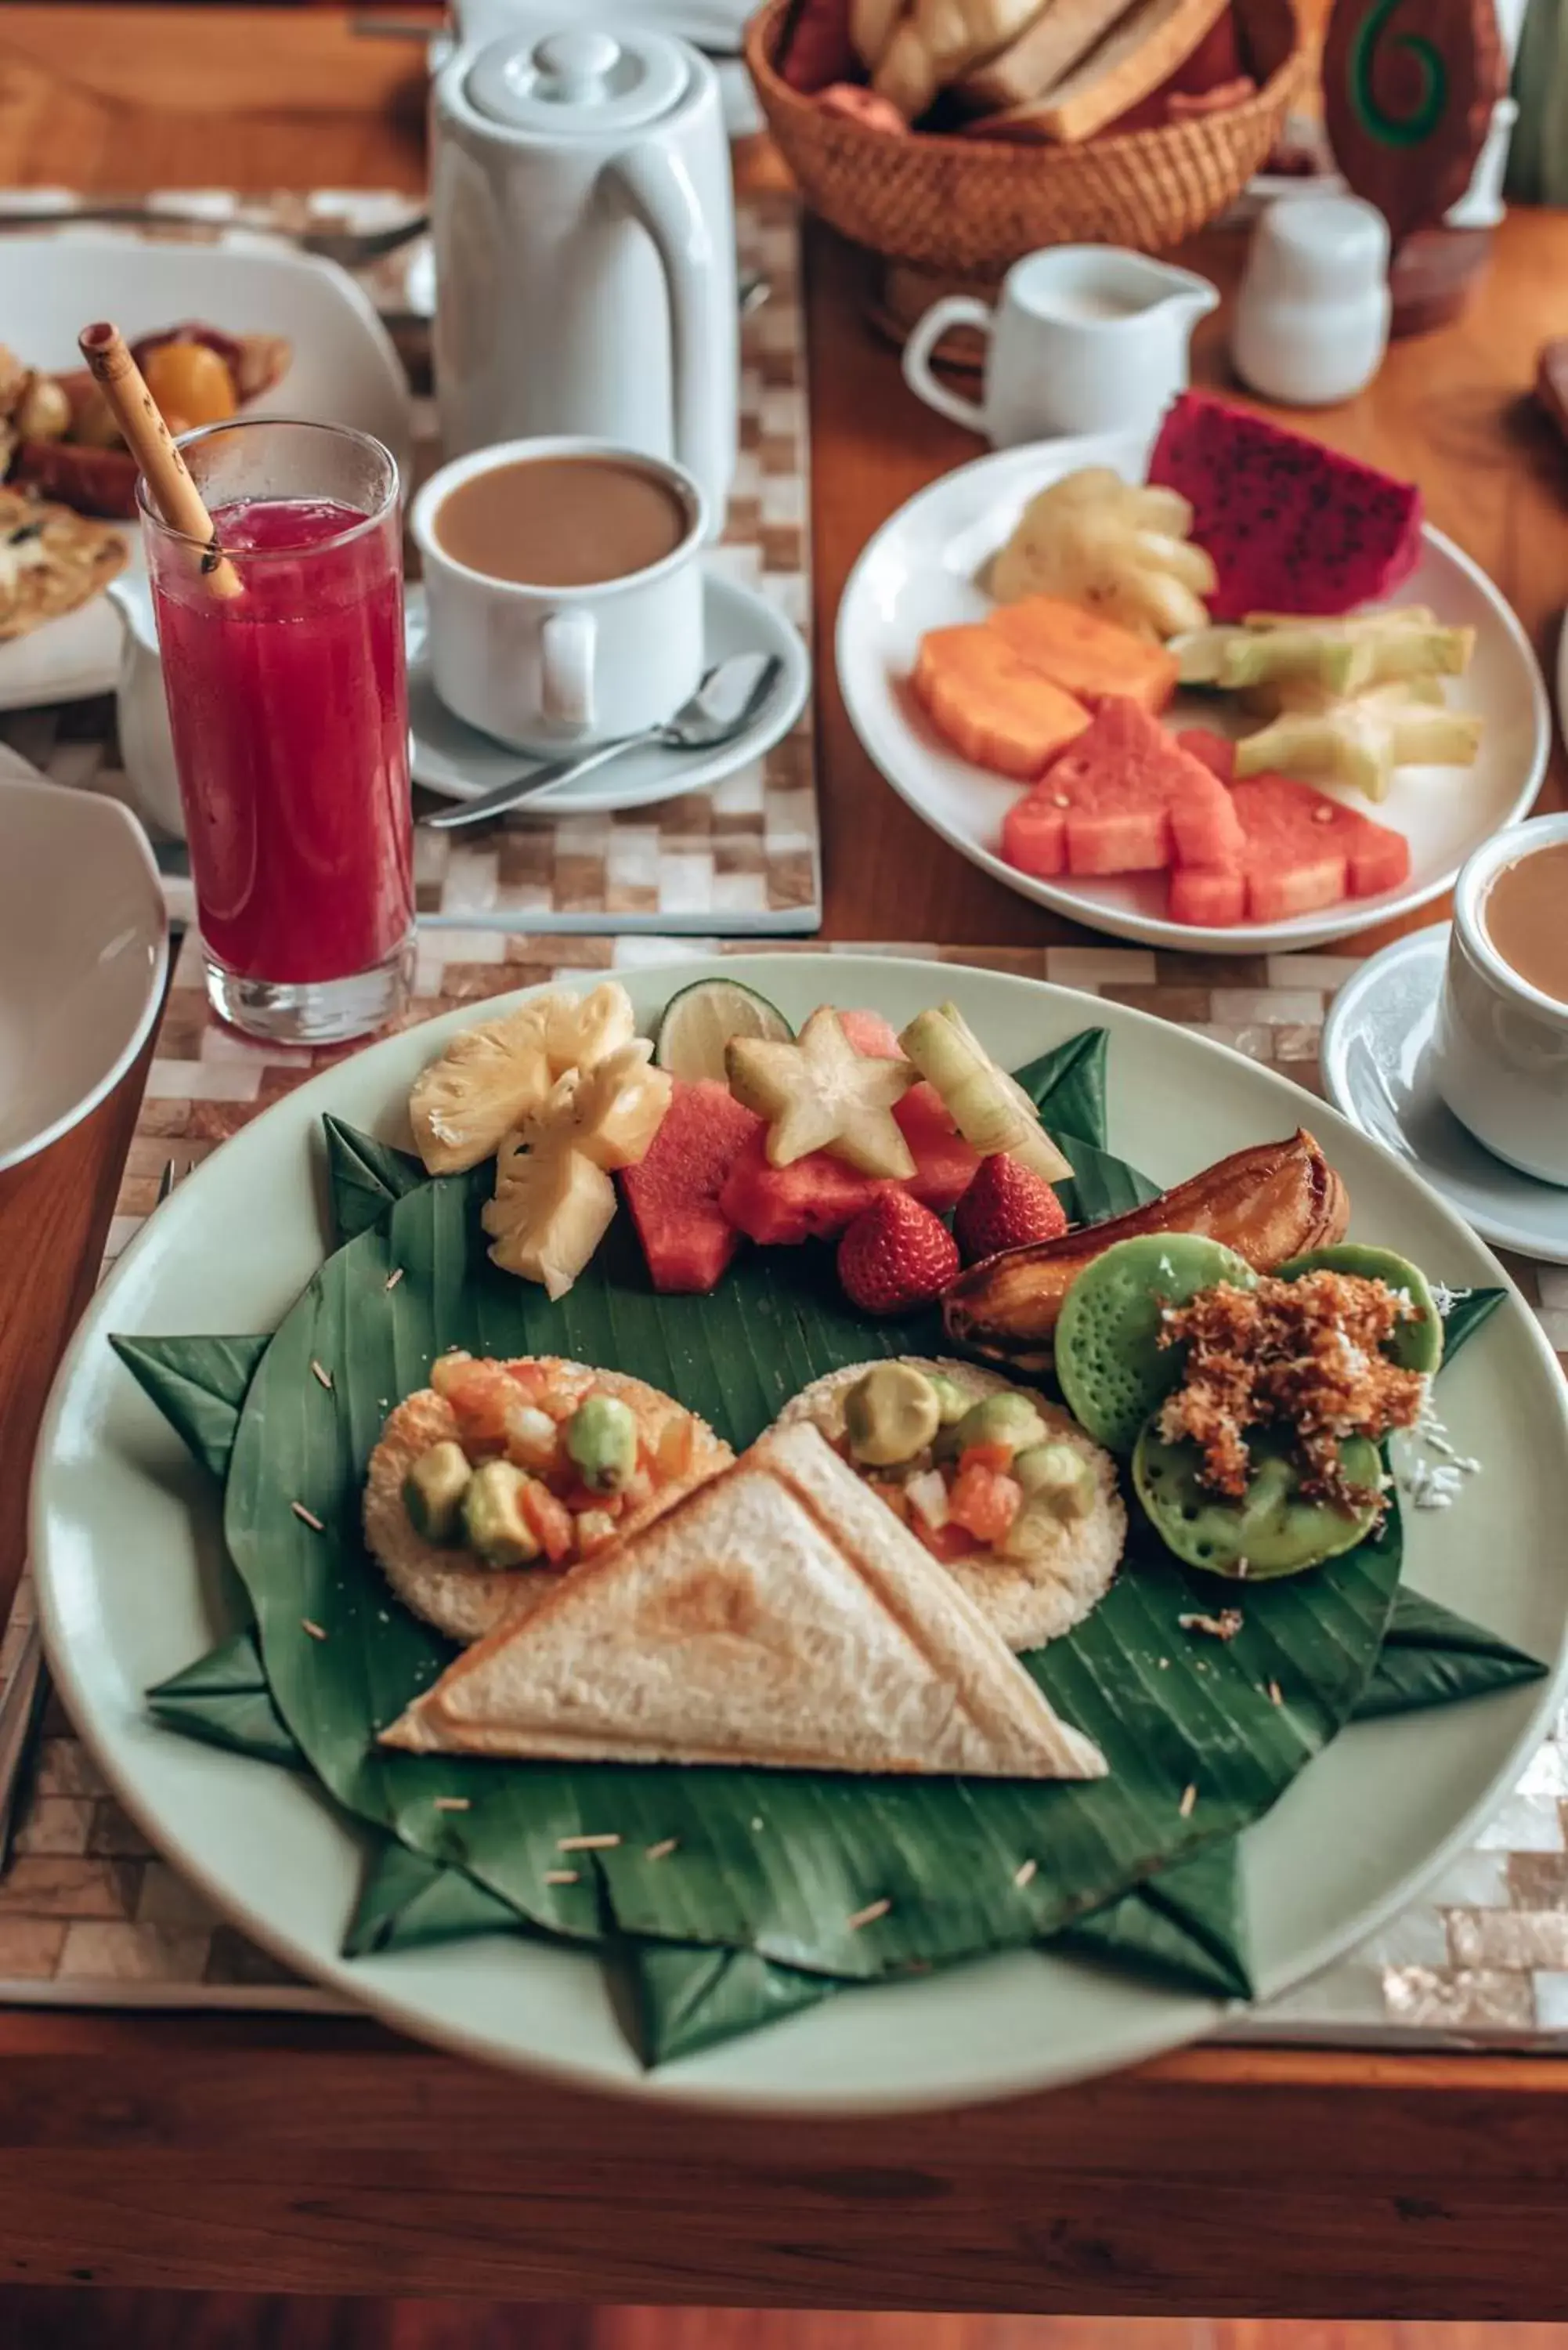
[{"x": 661, "y": 195}]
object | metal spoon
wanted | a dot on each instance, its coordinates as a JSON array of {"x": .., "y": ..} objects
[{"x": 725, "y": 704}]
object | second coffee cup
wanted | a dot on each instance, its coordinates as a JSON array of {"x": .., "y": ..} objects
[{"x": 563, "y": 589}]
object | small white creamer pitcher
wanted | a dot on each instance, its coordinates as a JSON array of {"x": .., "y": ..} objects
[{"x": 1083, "y": 338}]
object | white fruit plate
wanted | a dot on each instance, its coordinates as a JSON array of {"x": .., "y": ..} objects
[{"x": 922, "y": 571}]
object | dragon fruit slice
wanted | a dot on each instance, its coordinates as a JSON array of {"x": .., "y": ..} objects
[{"x": 1291, "y": 526}]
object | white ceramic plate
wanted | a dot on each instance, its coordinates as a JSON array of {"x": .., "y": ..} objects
[
  {"x": 919, "y": 572},
  {"x": 456, "y": 760},
  {"x": 127, "y": 1549},
  {"x": 1377, "y": 1067},
  {"x": 343, "y": 370},
  {"x": 84, "y": 950}
]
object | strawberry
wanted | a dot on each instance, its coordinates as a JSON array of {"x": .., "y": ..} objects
[
  {"x": 896, "y": 1255},
  {"x": 1005, "y": 1205}
]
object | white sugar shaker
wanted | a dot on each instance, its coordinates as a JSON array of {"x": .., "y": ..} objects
[{"x": 1312, "y": 317}]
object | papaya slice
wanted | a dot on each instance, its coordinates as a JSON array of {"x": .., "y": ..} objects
[
  {"x": 1085, "y": 655},
  {"x": 995, "y": 709}
]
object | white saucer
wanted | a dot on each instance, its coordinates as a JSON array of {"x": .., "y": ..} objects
[
  {"x": 456, "y": 760},
  {"x": 78, "y": 990},
  {"x": 1378, "y": 1068}
]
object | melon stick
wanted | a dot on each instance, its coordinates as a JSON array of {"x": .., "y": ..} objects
[{"x": 1144, "y": 50}]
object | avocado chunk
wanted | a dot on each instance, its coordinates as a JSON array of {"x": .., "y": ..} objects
[
  {"x": 492, "y": 1521},
  {"x": 1057, "y": 1476},
  {"x": 1004, "y": 1418},
  {"x": 434, "y": 1491},
  {"x": 601, "y": 1443},
  {"x": 890, "y": 1415}
]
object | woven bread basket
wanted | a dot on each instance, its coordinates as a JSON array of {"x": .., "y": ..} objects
[{"x": 970, "y": 207}]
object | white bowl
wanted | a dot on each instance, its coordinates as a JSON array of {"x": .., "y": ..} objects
[{"x": 84, "y": 951}]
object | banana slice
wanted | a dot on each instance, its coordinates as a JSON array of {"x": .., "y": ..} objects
[{"x": 1113, "y": 546}]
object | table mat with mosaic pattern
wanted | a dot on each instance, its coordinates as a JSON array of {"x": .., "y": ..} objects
[
  {"x": 743, "y": 857},
  {"x": 89, "y": 1915}
]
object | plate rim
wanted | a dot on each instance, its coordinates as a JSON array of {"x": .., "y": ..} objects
[
  {"x": 38, "y": 787},
  {"x": 1301, "y": 931},
  {"x": 1330, "y": 1061},
  {"x": 1169, "y": 2025}
]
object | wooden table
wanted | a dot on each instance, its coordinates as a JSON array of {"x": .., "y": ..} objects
[{"x": 288, "y": 2155}]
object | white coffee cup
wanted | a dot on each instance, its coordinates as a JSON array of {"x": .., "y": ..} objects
[
  {"x": 547, "y": 668},
  {"x": 1500, "y": 1048},
  {"x": 1082, "y": 339}
]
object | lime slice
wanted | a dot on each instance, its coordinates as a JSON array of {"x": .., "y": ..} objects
[{"x": 700, "y": 1022}]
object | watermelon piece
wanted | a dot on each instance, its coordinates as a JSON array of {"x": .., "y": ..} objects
[
  {"x": 871, "y": 1034},
  {"x": 813, "y": 1199},
  {"x": 1126, "y": 797},
  {"x": 1212, "y": 896},
  {"x": 1034, "y": 835},
  {"x": 1086, "y": 656},
  {"x": 997, "y": 710},
  {"x": 816, "y": 1197},
  {"x": 945, "y": 1163},
  {"x": 673, "y": 1191},
  {"x": 1217, "y": 751},
  {"x": 1305, "y": 851},
  {"x": 1291, "y": 526}
]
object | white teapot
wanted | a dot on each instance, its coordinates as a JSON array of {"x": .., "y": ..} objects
[{"x": 583, "y": 220}]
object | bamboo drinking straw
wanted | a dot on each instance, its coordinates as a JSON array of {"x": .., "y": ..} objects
[{"x": 174, "y": 493}]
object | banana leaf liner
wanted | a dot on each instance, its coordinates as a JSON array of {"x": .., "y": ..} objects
[{"x": 750, "y": 1917}]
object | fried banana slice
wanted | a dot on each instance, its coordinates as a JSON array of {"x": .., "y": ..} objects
[{"x": 1269, "y": 1203}]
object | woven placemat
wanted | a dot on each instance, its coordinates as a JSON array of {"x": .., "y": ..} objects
[
  {"x": 89, "y": 1915},
  {"x": 744, "y": 857}
]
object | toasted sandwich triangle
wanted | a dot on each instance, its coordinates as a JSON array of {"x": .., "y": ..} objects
[{"x": 779, "y": 1617}]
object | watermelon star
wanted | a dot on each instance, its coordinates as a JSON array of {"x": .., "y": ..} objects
[{"x": 819, "y": 1094}]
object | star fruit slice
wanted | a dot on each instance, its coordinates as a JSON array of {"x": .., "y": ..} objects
[{"x": 818, "y": 1093}]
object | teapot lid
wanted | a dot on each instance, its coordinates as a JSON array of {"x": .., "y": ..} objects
[{"x": 577, "y": 81}]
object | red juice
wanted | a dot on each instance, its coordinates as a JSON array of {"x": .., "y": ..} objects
[{"x": 290, "y": 712}]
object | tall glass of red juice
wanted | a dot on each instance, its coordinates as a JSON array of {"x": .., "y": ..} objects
[{"x": 289, "y": 712}]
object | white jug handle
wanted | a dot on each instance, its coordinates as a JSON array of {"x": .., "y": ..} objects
[
  {"x": 566, "y": 669},
  {"x": 656, "y": 184},
  {"x": 952, "y": 310}
]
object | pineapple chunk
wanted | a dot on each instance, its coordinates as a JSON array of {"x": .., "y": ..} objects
[
  {"x": 619, "y": 1106},
  {"x": 486, "y": 1080},
  {"x": 491, "y": 1077},
  {"x": 554, "y": 1198},
  {"x": 552, "y": 1208}
]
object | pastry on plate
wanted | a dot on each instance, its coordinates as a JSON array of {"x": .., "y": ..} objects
[
  {"x": 1021, "y": 1507},
  {"x": 51, "y": 562},
  {"x": 494, "y": 1480}
]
